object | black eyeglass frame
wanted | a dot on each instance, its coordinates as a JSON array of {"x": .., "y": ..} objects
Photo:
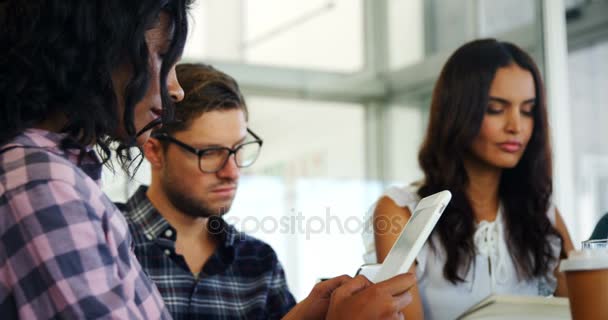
[{"x": 200, "y": 152}]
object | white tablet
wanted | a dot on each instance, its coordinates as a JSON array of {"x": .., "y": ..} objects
[{"x": 412, "y": 238}]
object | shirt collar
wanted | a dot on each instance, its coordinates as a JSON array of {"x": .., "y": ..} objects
[{"x": 145, "y": 216}]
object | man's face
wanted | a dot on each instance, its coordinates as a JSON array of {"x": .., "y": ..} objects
[
  {"x": 190, "y": 190},
  {"x": 150, "y": 106}
]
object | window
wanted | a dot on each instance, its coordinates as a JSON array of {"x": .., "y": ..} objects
[
  {"x": 307, "y": 195},
  {"x": 315, "y": 34},
  {"x": 588, "y": 70}
]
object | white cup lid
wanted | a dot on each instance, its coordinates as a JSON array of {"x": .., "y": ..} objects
[{"x": 585, "y": 260}]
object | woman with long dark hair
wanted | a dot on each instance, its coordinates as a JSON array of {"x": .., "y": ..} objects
[{"x": 488, "y": 143}]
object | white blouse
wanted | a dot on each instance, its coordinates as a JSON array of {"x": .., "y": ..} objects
[{"x": 492, "y": 272}]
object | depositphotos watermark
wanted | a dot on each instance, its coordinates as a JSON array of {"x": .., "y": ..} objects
[{"x": 309, "y": 225}]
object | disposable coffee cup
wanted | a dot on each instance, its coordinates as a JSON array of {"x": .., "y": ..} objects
[
  {"x": 587, "y": 279},
  {"x": 595, "y": 244}
]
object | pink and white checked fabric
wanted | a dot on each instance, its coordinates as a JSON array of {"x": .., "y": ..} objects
[{"x": 65, "y": 249}]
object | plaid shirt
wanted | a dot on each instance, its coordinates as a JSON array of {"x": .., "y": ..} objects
[
  {"x": 243, "y": 279},
  {"x": 65, "y": 249}
]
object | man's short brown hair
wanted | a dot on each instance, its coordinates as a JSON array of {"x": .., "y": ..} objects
[{"x": 205, "y": 89}]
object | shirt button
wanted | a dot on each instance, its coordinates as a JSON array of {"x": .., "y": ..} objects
[
  {"x": 168, "y": 233},
  {"x": 167, "y": 252}
]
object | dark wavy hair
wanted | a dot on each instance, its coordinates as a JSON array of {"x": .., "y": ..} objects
[
  {"x": 58, "y": 57},
  {"x": 459, "y": 103},
  {"x": 205, "y": 89}
]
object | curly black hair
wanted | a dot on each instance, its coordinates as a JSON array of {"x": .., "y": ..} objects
[{"x": 58, "y": 56}]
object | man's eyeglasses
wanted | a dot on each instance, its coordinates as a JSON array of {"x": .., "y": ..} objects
[{"x": 212, "y": 160}]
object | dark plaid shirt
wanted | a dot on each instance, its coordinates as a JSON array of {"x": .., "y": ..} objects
[
  {"x": 243, "y": 279},
  {"x": 65, "y": 249}
]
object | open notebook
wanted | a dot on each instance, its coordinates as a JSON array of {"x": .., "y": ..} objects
[{"x": 497, "y": 307}]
